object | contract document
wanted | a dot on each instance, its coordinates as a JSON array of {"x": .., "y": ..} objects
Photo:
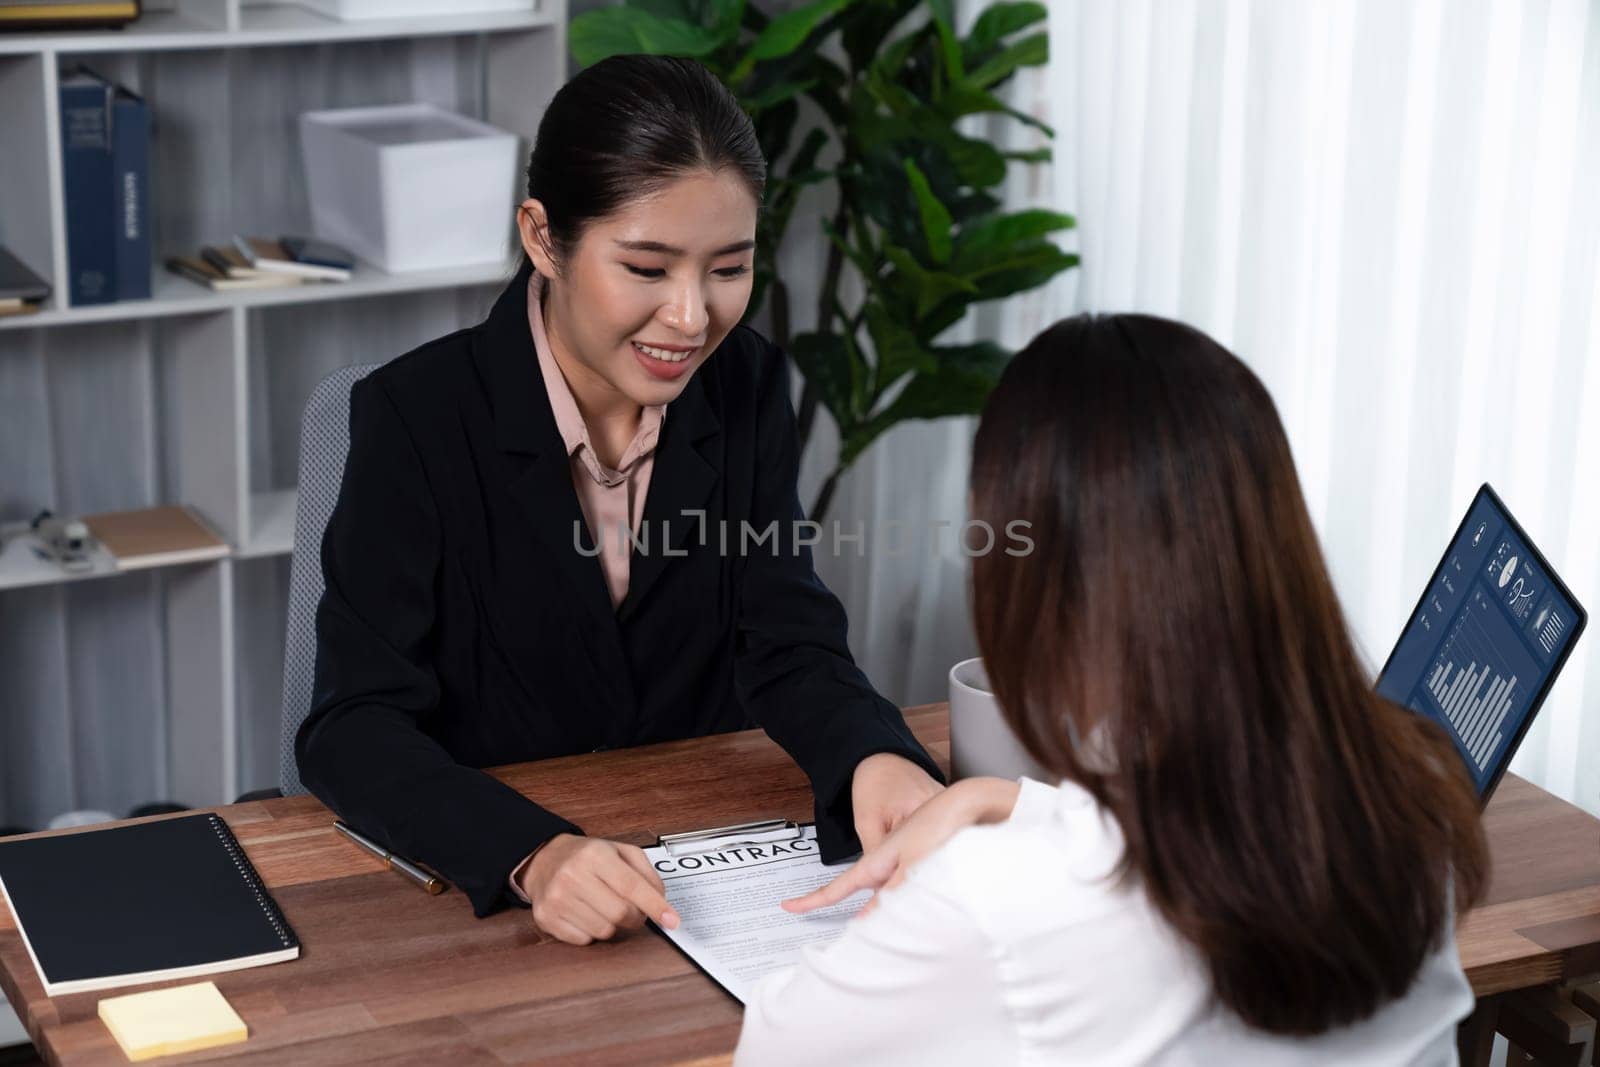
[{"x": 727, "y": 897}]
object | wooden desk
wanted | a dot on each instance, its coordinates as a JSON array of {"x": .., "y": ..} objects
[{"x": 389, "y": 973}]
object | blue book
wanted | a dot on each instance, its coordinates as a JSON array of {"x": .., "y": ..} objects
[
  {"x": 86, "y": 177},
  {"x": 130, "y": 194}
]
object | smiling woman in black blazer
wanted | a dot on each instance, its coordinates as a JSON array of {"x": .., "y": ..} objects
[{"x": 468, "y": 621}]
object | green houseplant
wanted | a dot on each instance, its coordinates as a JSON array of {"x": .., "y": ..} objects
[{"x": 915, "y": 212}]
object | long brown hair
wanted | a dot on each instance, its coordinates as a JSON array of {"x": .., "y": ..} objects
[{"x": 1175, "y": 616}]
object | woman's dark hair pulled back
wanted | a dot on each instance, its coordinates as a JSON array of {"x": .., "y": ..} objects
[{"x": 625, "y": 128}]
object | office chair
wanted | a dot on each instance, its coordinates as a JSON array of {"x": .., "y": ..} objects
[{"x": 324, "y": 444}]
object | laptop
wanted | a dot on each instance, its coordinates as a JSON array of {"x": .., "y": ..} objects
[{"x": 1486, "y": 640}]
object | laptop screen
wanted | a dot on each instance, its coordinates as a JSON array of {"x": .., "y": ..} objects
[{"x": 1485, "y": 641}]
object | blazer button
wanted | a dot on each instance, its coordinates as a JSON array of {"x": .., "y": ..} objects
[{"x": 599, "y": 748}]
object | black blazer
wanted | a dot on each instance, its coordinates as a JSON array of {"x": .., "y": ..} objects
[{"x": 462, "y": 628}]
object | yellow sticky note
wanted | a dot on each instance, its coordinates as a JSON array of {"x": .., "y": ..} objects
[{"x": 168, "y": 1021}]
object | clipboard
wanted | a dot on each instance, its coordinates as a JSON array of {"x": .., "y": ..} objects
[
  {"x": 721, "y": 852},
  {"x": 760, "y": 832}
]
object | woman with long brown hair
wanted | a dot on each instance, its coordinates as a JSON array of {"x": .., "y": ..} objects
[{"x": 1249, "y": 855}]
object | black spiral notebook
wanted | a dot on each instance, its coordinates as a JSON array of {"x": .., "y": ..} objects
[{"x": 176, "y": 898}]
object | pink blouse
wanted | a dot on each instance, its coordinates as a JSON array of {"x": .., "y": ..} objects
[{"x": 612, "y": 500}]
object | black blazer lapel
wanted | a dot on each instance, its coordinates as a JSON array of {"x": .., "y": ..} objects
[
  {"x": 525, "y": 427},
  {"x": 687, "y": 467}
]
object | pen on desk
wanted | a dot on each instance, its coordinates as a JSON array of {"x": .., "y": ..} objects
[{"x": 432, "y": 883}]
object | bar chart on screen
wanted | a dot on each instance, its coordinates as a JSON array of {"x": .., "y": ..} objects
[
  {"x": 1474, "y": 681},
  {"x": 1484, "y": 643},
  {"x": 1550, "y": 624}
]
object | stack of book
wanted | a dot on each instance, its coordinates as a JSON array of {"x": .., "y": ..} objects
[
  {"x": 260, "y": 263},
  {"x": 105, "y": 169},
  {"x": 66, "y": 14}
]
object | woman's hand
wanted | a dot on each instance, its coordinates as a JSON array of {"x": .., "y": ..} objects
[
  {"x": 586, "y": 889},
  {"x": 967, "y": 803},
  {"x": 884, "y": 791}
]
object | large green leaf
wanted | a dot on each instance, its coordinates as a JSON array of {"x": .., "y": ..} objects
[
  {"x": 889, "y": 92},
  {"x": 1024, "y": 268},
  {"x": 968, "y": 99},
  {"x": 856, "y": 438},
  {"x": 1031, "y": 155},
  {"x": 722, "y": 17},
  {"x": 825, "y": 362},
  {"x": 977, "y": 163},
  {"x": 892, "y": 59},
  {"x": 878, "y": 192},
  {"x": 857, "y": 256},
  {"x": 870, "y": 130},
  {"x": 973, "y": 205},
  {"x": 615, "y": 31},
  {"x": 950, "y": 50},
  {"x": 1031, "y": 51},
  {"x": 776, "y": 94},
  {"x": 997, "y": 22},
  {"x": 942, "y": 316},
  {"x": 964, "y": 377},
  {"x": 788, "y": 31},
  {"x": 927, "y": 288},
  {"x": 683, "y": 10},
  {"x": 897, "y": 349},
  {"x": 949, "y": 159},
  {"x": 860, "y": 373},
  {"x": 959, "y": 384},
  {"x": 936, "y": 221},
  {"x": 1026, "y": 271},
  {"x": 832, "y": 84},
  {"x": 991, "y": 239},
  {"x": 803, "y": 66},
  {"x": 873, "y": 22}
]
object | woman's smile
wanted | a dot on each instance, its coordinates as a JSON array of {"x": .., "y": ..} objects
[{"x": 668, "y": 364}]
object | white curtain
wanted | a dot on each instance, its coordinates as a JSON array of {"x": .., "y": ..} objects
[{"x": 1389, "y": 210}]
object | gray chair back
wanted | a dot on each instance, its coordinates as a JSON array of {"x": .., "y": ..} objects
[{"x": 324, "y": 443}]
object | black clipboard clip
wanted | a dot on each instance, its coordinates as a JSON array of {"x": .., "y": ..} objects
[{"x": 762, "y": 832}]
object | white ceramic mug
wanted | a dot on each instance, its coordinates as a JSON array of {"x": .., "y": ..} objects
[
  {"x": 70, "y": 819},
  {"x": 981, "y": 744}
]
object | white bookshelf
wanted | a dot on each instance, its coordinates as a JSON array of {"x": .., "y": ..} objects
[
  {"x": 171, "y": 295},
  {"x": 271, "y": 524},
  {"x": 21, "y": 567},
  {"x": 207, "y": 388},
  {"x": 235, "y": 25}
]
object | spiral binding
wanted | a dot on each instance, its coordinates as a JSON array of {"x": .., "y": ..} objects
[{"x": 247, "y": 871}]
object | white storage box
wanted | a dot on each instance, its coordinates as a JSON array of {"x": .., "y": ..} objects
[
  {"x": 412, "y": 186},
  {"x": 395, "y": 9}
]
